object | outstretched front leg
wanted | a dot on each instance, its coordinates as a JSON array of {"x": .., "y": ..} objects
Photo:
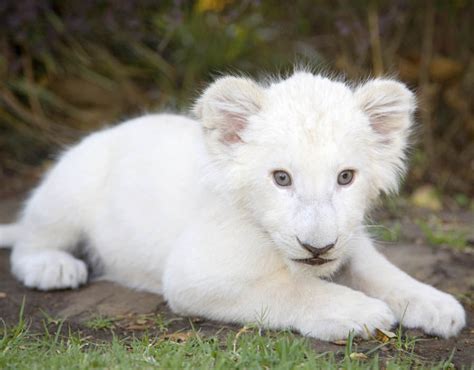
[
  {"x": 313, "y": 307},
  {"x": 415, "y": 304},
  {"x": 220, "y": 281}
]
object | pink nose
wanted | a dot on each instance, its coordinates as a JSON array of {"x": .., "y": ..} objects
[{"x": 315, "y": 251}]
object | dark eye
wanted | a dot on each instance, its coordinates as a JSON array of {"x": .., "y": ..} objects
[
  {"x": 282, "y": 178},
  {"x": 345, "y": 177}
]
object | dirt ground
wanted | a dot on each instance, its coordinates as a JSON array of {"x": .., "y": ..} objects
[{"x": 445, "y": 268}]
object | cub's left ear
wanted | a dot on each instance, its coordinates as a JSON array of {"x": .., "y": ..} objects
[{"x": 389, "y": 106}]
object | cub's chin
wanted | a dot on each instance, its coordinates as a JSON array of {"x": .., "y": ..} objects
[{"x": 316, "y": 266}]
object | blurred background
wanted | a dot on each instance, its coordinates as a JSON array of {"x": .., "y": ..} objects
[{"x": 71, "y": 67}]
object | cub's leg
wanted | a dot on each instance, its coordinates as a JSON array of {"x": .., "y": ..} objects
[
  {"x": 52, "y": 223},
  {"x": 41, "y": 257},
  {"x": 414, "y": 303},
  {"x": 211, "y": 274}
]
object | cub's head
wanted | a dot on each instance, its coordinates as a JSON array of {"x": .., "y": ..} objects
[{"x": 306, "y": 156}]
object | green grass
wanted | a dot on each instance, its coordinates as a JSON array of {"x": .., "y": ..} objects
[
  {"x": 384, "y": 233},
  {"x": 21, "y": 348},
  {"x": 435, "y": 234},
  {"x": 250, "y": 350},
  {"x": 100, "y": 323}
]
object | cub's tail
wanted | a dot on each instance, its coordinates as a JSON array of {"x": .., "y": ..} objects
[{"x": 9, "y": 235}]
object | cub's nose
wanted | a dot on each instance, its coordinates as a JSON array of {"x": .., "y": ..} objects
[{"x": 316, "y": 251}]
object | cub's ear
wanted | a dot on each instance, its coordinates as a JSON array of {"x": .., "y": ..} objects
[
  {"x": 389, "y": 106},
  {"x": 225, "y": 107}
]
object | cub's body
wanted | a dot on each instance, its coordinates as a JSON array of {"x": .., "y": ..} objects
[
  {"x": 242, "y": 214},
  {"x": 127, "y": 193}
]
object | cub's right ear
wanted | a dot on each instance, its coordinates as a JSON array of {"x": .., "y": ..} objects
[{"x": 226, "y": 106}]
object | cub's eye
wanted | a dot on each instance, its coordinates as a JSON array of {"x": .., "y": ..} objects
[
  {"x": 282, "y": 178},
  {"x": 345, "y": 177}
]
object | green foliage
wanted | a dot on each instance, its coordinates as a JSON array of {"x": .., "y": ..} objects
[
  {"x": 100, "y": 323},
  {"x": 249, "y": 348},
  {"x": 71, "y": 67},
  {"x": 435, "y": 234},
  {"x": 247, "y": 351},
  {"x": 391, "y": 233},
  {"x": 462, "y": 200}
]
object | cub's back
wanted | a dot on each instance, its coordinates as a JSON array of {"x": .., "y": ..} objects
[{"x": 151, "y": 191}]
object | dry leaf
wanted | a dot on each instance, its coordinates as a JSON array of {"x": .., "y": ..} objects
[
  {"x": 384, "y": 335},
  {"x": 453, "y": 97},
  {"x": 212, "y": 5},
  {"x": 179, "y": 337},
  {"x": 358, "y": 356},
  {"x": 442, "y": 68},
  {"x": 340, "y": 342},
  {"x": 3, "y": 295},
  {"x": 243, "y": 330},
  {"x": 137, "y": 327},
  {"x": 409, "y": 70},
  {"x": 426, "y": 197}
]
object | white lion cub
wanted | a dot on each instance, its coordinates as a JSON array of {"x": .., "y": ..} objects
[{"x": 242, "y": 213}]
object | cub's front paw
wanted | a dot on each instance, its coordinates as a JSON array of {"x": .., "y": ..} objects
[
  {"x": 48, "y": 270},
  {"x": 357, "y": 313},
  {"x": 427, "y": 308}
]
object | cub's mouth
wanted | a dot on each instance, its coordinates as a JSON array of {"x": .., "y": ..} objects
[
  {"x": 313, "y": 261},
  {"x": 316, "y": 260}
]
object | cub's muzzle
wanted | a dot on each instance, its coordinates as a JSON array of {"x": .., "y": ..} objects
[{"x": 316, "y": 260}]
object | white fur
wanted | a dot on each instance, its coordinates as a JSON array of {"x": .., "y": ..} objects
[{"x": 189, "y": 208}]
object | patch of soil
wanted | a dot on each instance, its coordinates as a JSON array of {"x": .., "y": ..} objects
[{"x": 134, "y": 312}]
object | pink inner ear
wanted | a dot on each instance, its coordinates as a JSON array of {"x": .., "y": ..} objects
[
  {"x": 234, "y": 124},
  {"x": 381, "y": 124},
  {"x": 384, "y": 117},
  {"x": 231, "y": 138}
]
